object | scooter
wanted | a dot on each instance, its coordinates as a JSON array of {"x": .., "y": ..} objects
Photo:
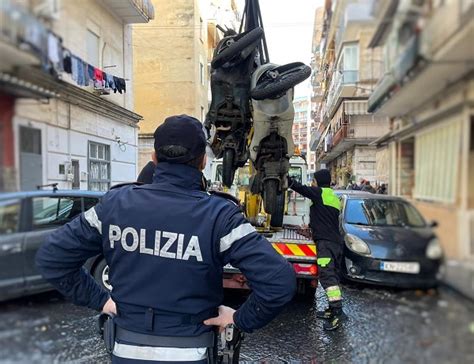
[
  {"x": 272, "y": 144},
  {"x": 229, "y": 119}
]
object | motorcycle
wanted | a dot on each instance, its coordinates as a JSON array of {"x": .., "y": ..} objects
[
  {"x": 229, "y": 119},
  {"x": 272, "y": 144}
]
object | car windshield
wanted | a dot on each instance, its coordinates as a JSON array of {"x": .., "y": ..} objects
[{"x": 380, "y": 212}]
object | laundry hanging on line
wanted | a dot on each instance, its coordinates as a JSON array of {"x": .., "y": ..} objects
[{"x": 84, "y": 74}]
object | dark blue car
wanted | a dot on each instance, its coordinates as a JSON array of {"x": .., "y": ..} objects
[
  {"x": 388, "y": 242},
  {"x": 26, "y": 218}
]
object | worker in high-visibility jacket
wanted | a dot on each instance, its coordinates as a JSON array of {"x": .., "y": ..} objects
[{"x": 324, "y": 222}]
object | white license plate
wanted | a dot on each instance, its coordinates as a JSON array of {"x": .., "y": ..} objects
[{"x": 400, "y": 267}]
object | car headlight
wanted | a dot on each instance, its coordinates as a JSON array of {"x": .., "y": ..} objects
[
  {"x": 434, "y": 249},
  {"x": 357, "y": 245}
]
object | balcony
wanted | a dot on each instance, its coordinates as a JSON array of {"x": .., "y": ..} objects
[
  {"x": 340, "y": 135},
  {"x": 317, "y": 95},
  {"x": 446, "y": 36},
  {"x": 342, "y": 85},
  {"x": 15, "y": 47},
  {"x": 132, "y": 11},
  {"x": 315, "y": 137}
]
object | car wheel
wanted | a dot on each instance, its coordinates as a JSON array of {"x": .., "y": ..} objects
[{"x": 101, "y": 275}]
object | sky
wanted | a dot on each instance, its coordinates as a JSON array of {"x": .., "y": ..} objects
[{"x": 288, "y": 29}]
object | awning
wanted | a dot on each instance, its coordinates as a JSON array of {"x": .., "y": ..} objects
[{"x": 355, "y": 107}]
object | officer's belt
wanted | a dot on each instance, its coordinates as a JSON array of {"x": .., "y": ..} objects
[{"x": 205, "y": 340}]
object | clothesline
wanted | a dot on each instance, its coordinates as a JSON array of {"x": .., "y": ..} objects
[
  {"x": 26, "y": 30},
  {"x": 84, "y": 74}
]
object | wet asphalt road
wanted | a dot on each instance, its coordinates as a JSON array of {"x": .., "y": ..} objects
[{"x": 383, "y": 326}]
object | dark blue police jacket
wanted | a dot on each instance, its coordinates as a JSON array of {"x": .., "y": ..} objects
[{"x": 166, "y": 244}]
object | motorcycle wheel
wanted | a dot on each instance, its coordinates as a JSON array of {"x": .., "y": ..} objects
[
  {"x": 228, "y": 170},
  {"x": 276, "y": 219},
  {"x": 270, "y": 88},
  {"x": 270, "y": 196},
  {"x": 236, "y": 47}
]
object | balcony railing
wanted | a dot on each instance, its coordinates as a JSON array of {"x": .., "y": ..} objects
[
  {"x": 340, "y": 135},
  {"x": 339, "y": 80},
  {"x": 407, "y": 60}
]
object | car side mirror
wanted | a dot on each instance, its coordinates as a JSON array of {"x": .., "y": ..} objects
[{"x": 434, "y": 224}]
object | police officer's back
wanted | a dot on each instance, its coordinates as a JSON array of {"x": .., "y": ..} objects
[{"x": 166, "y": 244}]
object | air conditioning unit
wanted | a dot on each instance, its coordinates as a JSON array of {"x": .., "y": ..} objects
[{"x": 46, "y": 9}]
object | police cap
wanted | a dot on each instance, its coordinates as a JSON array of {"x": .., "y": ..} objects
[{"x": 179, "y": 131}]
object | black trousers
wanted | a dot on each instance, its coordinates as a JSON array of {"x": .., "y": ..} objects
[{"x": 329, "y": 266}]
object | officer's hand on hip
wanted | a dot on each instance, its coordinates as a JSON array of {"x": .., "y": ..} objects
[
  {"x": 109, "y": 307},
  {"x": 225, "y": 317}
]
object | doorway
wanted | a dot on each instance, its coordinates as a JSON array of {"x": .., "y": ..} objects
[{"x": 31, "y": 161}]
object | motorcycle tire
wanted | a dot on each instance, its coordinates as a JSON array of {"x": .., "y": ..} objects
[
  {"x": 228, "y": 170},
  {"x": 235, "y": 48},
  {"x": 276, "y": 87},
  {"x": 270, "y": 196},
  {"x": 276, "y": 219}
]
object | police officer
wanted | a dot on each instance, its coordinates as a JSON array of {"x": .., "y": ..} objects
[
  {"x": 324, "y": 221},
  {"x": 166, "y": 244}
]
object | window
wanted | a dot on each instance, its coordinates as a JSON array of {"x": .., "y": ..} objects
[
  {"x": 377, "y": 212},
  {"x": 201, "y": 73},
  {"x": 349, "y": 63},
  {"x": 9, "y": 217},
  {"x": 99, "y": 167},
  {"x": 54, "y": 211},
  {"x": 92, "y": 41},
  {"x": 436, "y": 169}
]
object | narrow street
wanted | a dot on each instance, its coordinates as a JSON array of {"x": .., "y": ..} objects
[{"x": 384, "y": 326}]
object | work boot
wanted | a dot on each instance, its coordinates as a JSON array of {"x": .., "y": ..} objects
[
  {"x": 325, "y": 315},
  {"x": 336, "y": 319}
]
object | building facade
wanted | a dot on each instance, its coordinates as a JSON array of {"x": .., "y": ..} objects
[
  {"x": 302, "y": 124},
  {"x": 428, "y": 93},
  {"x": 171, "y": 63},
  {"x": 347, "y": 71},
  {"x": 64, "y": 122}
]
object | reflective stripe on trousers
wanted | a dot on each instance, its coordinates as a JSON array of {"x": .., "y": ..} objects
[{"x": 159, "y": 354}]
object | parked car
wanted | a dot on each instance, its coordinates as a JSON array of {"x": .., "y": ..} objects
[
  {"x": 340, "y": 193},
  {"x": 26, "y": 219},
  {"x": 388, "y": 242}
]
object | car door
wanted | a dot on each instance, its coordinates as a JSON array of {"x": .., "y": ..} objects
[
  {"x": 48, "y": 213},
  {"x": 12, "y": 236}
]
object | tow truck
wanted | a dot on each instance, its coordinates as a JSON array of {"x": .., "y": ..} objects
[{"x": 293, "y": 240}]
